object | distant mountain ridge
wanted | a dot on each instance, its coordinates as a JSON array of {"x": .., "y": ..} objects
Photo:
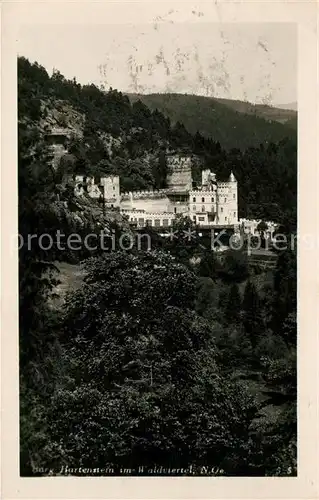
[
  {"x": 108, "y": 135},
  {"x": 281, "y": 114},
  {"x": 291, "y": 106},
  {"x": 233, "y": 123}
]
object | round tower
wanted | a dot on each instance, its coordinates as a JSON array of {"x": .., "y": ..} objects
[{"x": 233, "y": 199}]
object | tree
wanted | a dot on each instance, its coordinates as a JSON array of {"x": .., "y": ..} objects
[
  {"x": 141, "y": 383},
  {"x": 135, "y": 369},
  {"x": 184, "y": 242},
  {"x": 233, "y": 308},
  {"x": 285, "y": 294},
  {"x": 262, "y": 227},
  {"x": 160, "y": 171},
  {"x": 235, "y": 266},
  {"x": 251, "y": 312},
  {"x": 207, "y": 298},
  {"x": 263, "y": 172},
  {"x": 274, "y": 440},
  {"x": 208, "y": 266}
]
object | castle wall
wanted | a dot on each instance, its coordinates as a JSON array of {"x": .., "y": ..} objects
[
  {"x": 215, "y": 203},
  {"x": 152, "y": 219},
  {"x": 180, "y": 172},
  {"x": 162, "y": 200},
  {"x": 152, "y": 204},
  {"x": 150, "y": 201},
  {"x": 111, "y": 190},
  {"x": 126, "y": 204},
  {"x": 203, "y": 205},
  {"x": 178, "y": 207}
]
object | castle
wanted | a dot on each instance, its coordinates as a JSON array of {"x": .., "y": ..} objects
[{"x": 210, "y": 204}]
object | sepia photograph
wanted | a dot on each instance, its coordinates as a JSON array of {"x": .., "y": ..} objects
[
  {"x": 157, "y": 212},
  {"x": 159, "y": 250}
]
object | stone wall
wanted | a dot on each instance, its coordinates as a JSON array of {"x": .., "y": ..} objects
[
  {"x": 153, "y": 219},
  {"x": 179, "y": 177}
]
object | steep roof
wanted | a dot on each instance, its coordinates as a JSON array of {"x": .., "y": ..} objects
[{"x": 232, "y": 178}]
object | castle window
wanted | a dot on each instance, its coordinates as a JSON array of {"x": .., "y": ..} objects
[
  {"x": 203, "y": 200},
  {"x": 141, "y": 222},
  {"x": 175, "y": 209},
  {"x": 203, "y": 208},
  {"x": 194, "y": 199},
  {"x": 201, "y": 218},
  {"x": 225, "y": 200},
  {"x": 194, "y": 208},
  {"x": 165, "y": 222},
  {"x": 212, "y": 200},
  {"x": 225, "y": 219},
  {"x": 148, "y": 222},
  {"x": 157, "y": 223},
  {"x": 234, "y": 214},
  {"x": 234, "y": 196},
  {"x": 221, "y": 210}
]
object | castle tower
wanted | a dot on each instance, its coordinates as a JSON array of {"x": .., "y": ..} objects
[
  {"x": 208, "y": 179},
  {"x": 111, "y": 190},
  {"x": 180, "y": 173},
  {"x": 205, "y": 177},
  {"x": 227, "y": 195},
  {"x": 57, "y": 140},
  {"x": 232, "y": 200}
]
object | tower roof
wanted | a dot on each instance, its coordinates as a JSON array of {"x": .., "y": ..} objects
[{"x": 232, "y": 178}]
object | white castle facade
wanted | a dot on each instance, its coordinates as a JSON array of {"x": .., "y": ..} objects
[{"x": 212, "y": 203}]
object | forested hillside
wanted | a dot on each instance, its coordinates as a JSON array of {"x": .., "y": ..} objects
[
  {"x": 235, "y": 124},
  {"x": 271, "y": 113},
  {"x": 131, "y": 140},
  {"x": 165, "y": 356}
]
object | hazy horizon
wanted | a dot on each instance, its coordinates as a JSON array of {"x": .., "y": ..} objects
[{"x": 252, "y": 62}]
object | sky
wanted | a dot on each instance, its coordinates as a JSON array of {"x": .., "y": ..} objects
[{"x": 256, "y": 62}]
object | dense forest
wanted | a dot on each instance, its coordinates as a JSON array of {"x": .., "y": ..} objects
[
  {"x": 139, "y": 137},
  {"x": 235, "y": 124},
  {"x": 157, "y": 358}
]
